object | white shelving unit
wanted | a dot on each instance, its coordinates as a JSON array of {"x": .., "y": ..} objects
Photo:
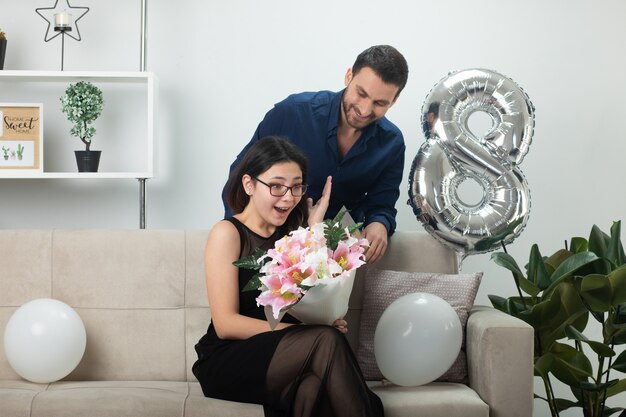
[{"x": 127, "y": 129}]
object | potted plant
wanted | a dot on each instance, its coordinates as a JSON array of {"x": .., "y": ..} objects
[
  {"x": 563, "y": 292},
  {"x": 3, "y": 48},
  {"x": 83, "y": 102}
]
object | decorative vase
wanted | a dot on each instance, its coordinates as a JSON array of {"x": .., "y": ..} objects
[
  {"x": 87, "y": 161},
  {"x": 3, "y": 50}
]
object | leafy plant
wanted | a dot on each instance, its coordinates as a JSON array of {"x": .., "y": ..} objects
[
  {"x": 20, "y": 151},
  {"x": 563, "y": 291},
  {"x": 3, "y": 35},
  {"x": 83, "y": 103}
]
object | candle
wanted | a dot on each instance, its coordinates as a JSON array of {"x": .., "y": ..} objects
[{"x": 62, "y": 19}]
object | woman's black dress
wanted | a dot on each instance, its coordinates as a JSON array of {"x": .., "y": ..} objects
[{"x": 301, "y": 371}]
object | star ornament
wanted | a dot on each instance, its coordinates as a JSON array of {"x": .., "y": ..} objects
[{"x": 47, "y": 13}]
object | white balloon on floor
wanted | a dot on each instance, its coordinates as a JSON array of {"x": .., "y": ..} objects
[
  {"x": 417, "y": 339},
  {"x": 44, "y": 340}
]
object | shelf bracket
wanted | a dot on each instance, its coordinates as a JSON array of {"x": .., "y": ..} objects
[{"x": 142, "y": 203}]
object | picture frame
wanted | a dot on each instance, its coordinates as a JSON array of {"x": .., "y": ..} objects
[{"x": 21, "y": 137}]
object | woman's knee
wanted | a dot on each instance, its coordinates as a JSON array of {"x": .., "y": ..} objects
[{"x": 329, "y": 336}]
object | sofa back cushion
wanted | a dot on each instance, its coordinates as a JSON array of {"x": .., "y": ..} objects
[
  {"x": 141, "y": 293},
  {"x": 132, "y": 289},
  {"x": 411, "y": 251}
]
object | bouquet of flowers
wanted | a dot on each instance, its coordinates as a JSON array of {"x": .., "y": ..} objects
[{"x": 319, "y": 260}]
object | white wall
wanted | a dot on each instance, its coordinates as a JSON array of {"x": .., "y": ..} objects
[{"x": 222, "y": 64}]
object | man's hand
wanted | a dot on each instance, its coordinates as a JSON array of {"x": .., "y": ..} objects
[
  {"x": 376, "y": 234},
  {"x": 317, "y": 211}
]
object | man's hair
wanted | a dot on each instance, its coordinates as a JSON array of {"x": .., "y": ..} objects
[{"x": 386, "y": 62}]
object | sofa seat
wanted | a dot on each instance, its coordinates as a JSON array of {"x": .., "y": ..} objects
[
  {"x": 432, "y": 400},
  {"x": 185, "y": 399}
]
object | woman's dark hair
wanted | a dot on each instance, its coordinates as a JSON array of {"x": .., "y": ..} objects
[
  {"x": 261, "y": 156},
  {"x": 386, "y": 62}
]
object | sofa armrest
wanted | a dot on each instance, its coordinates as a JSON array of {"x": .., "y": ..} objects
[{"x": 500, "y": 361}]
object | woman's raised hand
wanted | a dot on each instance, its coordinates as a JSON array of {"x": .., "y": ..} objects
[{"x": 317, "y": 211}]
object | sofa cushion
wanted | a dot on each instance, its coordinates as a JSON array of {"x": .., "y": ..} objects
[
  {"x": 437, "y": 399},
  {"x": 382, "y": 287}
]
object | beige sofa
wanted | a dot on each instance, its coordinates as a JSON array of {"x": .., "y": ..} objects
[{"x": 142, "y": 298}]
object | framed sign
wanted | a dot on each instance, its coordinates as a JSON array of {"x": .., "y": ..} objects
[{"x": 21, "y": 136}]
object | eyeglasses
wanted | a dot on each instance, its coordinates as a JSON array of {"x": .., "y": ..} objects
[{"x": 279, "y": 190}]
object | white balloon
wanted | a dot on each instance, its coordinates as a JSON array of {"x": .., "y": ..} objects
[
  {"x": 417, "y": 339},
  {"x": 44, "y": 340}
]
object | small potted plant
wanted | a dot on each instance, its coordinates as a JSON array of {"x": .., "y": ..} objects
[
  {"x": 3, "y": 47},
  {"x": 83, "y": 102}
]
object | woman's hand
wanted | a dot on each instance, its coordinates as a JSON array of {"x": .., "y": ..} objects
[
  {"x": 341, "y": 325},
  {"x": 317, "y": 211}
]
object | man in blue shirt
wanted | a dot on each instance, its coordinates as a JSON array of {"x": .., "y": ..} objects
[{"x": 345, "y": 135}]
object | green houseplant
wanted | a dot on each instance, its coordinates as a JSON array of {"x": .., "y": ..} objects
[
  {"x": 562, "y": 293},
  {"x": 3, "y": 48},
  {"x": 83, "y": 103}
]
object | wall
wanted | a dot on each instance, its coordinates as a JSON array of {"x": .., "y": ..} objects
[{"x": 222, "y": 64}]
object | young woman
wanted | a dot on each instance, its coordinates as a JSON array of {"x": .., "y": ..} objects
[{"x": 296, "y": 370}]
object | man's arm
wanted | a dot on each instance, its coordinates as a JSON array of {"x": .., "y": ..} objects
[
  {"x": 380, "y": 201},
  {"x": 379, "y": 208}
]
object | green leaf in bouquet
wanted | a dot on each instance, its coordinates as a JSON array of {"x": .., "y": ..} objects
[
  {"x": 335, "y": 232},
  {"x": 253, "y": 261},
  {"x": 254, "y": 283}
]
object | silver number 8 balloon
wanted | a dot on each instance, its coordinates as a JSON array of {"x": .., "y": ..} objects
[{"x": 453, "y": 155}]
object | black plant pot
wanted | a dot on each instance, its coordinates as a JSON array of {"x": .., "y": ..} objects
[
  {"x": 3, "y": 51},
  {"x": 87, "y": 161}
]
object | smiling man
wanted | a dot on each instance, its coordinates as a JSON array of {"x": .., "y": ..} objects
[{"x": 346, "y": 135}]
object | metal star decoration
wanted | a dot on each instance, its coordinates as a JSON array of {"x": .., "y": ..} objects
[{"x": 48, "y": 15}]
